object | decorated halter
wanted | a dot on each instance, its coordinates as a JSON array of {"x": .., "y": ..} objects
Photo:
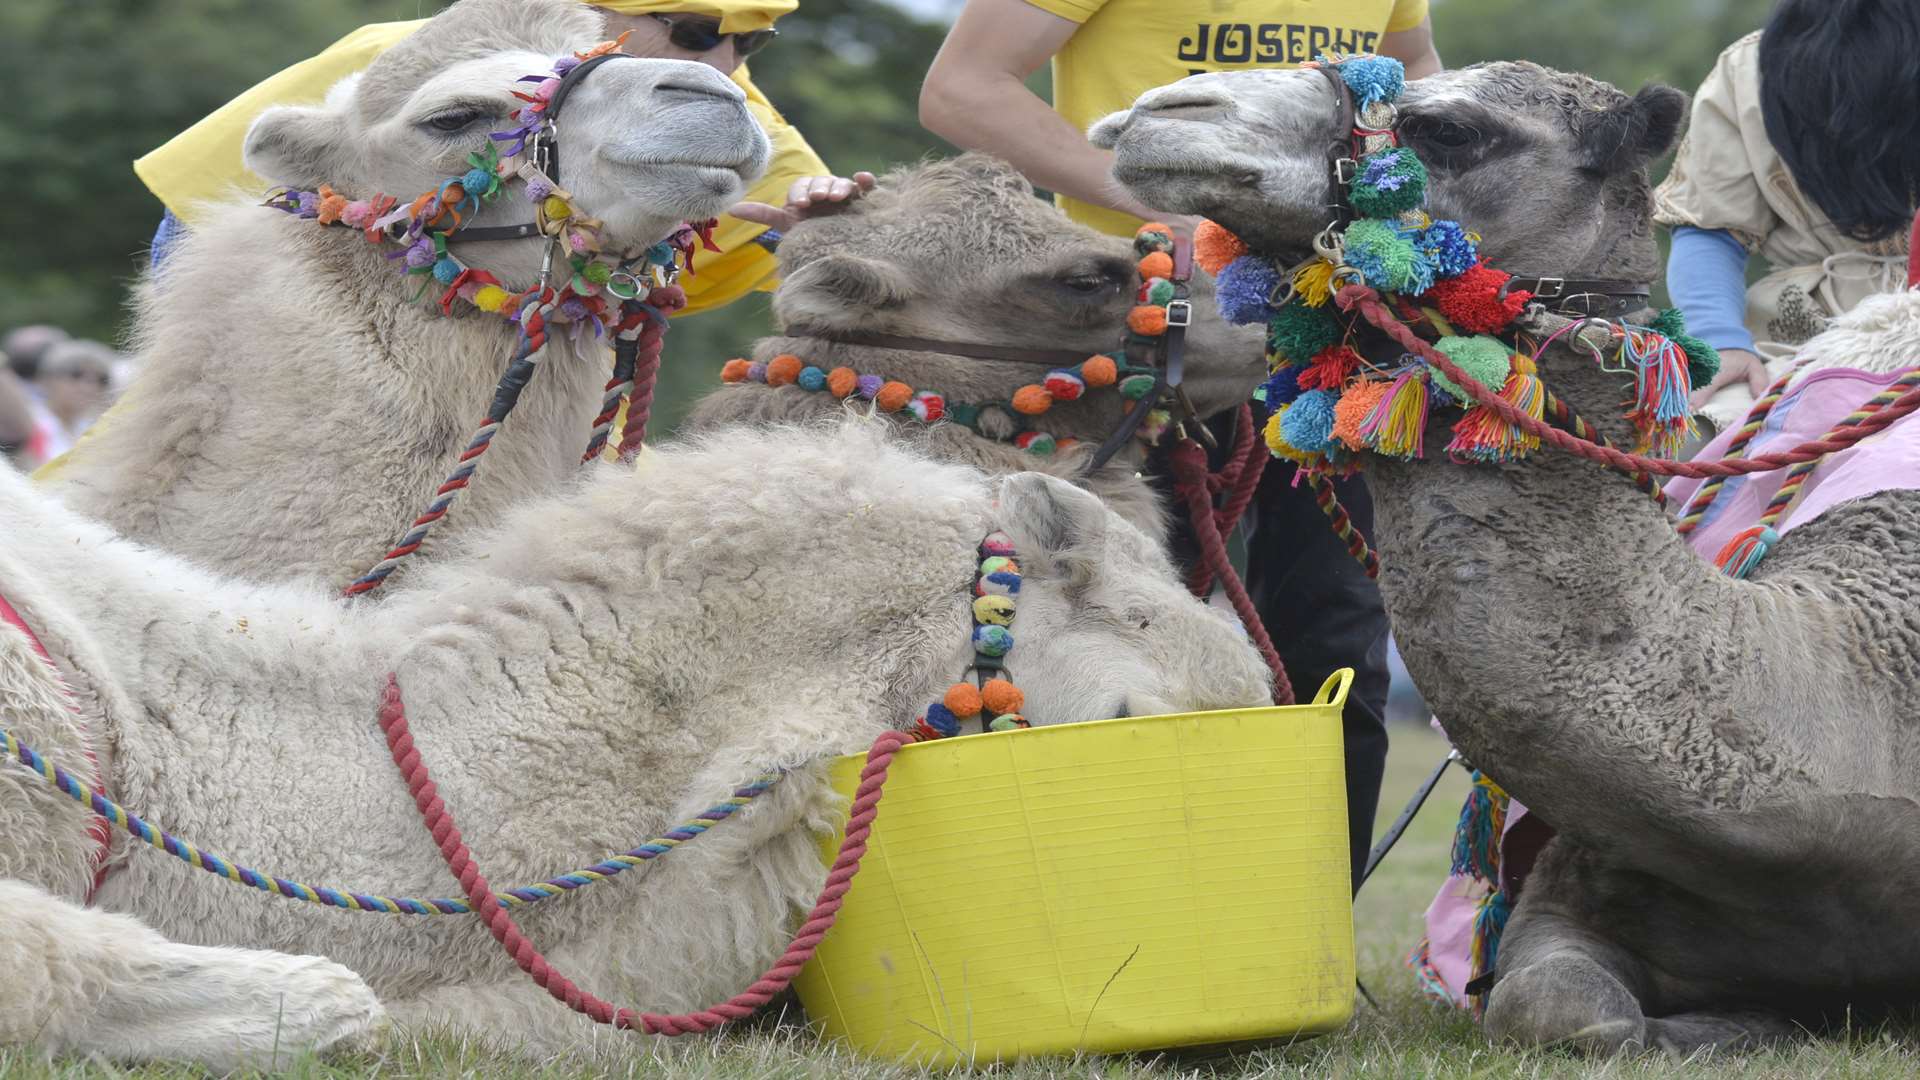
[
  {"x": 626, "y": 294},
  {"x": 1145, "y": 369},
  {"x": 1328, "y": 404},
  {"x": 991, "y": 700}
]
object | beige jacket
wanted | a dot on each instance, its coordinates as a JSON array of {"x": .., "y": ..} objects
[{"x": 1727, "y": 176}]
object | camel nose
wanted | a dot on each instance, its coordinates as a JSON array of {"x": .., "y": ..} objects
[
  {"x": 1182, "y": 101},
  {"x": 686, "y": 80}
]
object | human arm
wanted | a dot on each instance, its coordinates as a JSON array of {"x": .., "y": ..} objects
[
  {"x": 1414, "y": 48},
  {"x": 1707, "y": 278},
  {"x": 807, "y": 196},
  {"x": 976, "y": 97}
]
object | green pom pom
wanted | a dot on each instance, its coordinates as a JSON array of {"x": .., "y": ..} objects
[
  {"x": 1390, "y": 182},
  {"x": 1484, "y": 358},
  {"x": 1135, "y": 387},
  {"x": 1161, "y": 293},
  {"x": 963, "y": 414},
  {"x": 597, "y": 272},
  {"x": 1299, "y": 331},
  {"x": 1149, "y": 241},
  {"x": 1703, "y": 360},
  {"x": 1388, "y": 260}
]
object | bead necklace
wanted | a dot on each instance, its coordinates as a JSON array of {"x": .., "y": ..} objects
[{"x": 995, "y": 701}]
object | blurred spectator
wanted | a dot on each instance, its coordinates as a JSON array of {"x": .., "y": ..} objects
[
  {"x": 72, "y": 382},
  {"x": 21, "y": 408}
]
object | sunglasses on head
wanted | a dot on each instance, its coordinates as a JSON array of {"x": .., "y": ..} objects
[{"x": 696, "y": 33}]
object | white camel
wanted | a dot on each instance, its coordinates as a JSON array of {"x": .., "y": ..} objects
[
  {"x": 602, "y": 665},
  {"x": 296, "y": 409}
]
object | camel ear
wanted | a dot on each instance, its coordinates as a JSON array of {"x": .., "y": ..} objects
[
  {"x": 1048, "y": 517},
  {"x": 1630, "y": 135},
  {"x": 295, "y": 145},
  {"x": 855, "y": 281}
]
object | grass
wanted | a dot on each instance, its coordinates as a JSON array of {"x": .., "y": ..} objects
[{"x": 1406, "y": 1037}]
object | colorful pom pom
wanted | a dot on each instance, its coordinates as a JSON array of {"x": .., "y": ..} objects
[
  {"x": 1064, "y": 385},
  {"x": 1351, "y": 411},
  {"x": 784, "y": 369},
  {"x": 1001, "y": 696},
  {"x": 1296, "y": 332},
  {"x": 1703, "y": 360},
  {"x": 993, "y": 610},
  {"x": 812, "y": 378},
  {"x": 1152, "y": 237},
  {"x": 1309, "y": 422},
  {"x": 1009, "y": 722},
  {"x": 1037, "y": 443},
  {"x": 1000, "y": 584},
  {"x": 1135, "y": 387},
  {"x": 1471, "y": 301},
  {"x": 1387, "y": 260},
  {"x": 1448, "y": 247},
  {"x": 992, "y": 640},
  {"x": 1313, "y": 283},
  {"x": 1391, "y": 181},
  {"x": 491, "y": 298},
  {"x": 757, "y": 371},
  {"x": 1486, "y": 359},
  {"x": 998, "y": 564},
  {"x": 963, "y": 699},
  {"x": 477, "y": 181},
  {"x": 1099, "y": 371},
  {"x": 1032, "y": 400},
  {"x": 1373, "y": 78},
  {"x": 941, "y": 719},
  {"x": 1156, "y": 264},
  {"x": 555, "y": 208},
  {"x": 1147, "y": 320},
  {"x": 1282, "y": 386},
  {"x": 997, "y": 543},
  {"x": 1397, "y": 426},
  {"x": 869, "y": 385},
  {"x": 1158, "y": 291},
  {"x": 734, "y": 371},
  {"x": 1277, "y": 443},
  {"x": 1214, "y": 247},
  {"x": 842, "y": 381},
  {"x": 928, "y": 406},
  {"x": 893, "y": 396},
  {"x": 1242, "y": 290},
  {"x": 1330, "y": 368}
]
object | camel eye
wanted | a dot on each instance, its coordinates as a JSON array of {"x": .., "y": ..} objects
[
  {"x": 454, "y": 121},
  {"x": 1445, "y": 134},
  {"x": 1088, "y": 283}
]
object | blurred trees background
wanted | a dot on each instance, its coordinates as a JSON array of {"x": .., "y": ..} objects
[{"x": 100, "y": 83}]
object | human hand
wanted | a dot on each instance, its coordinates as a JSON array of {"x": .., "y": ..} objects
[
  {"x": 808, "y": 196},
  {"x": 1735, "y": 365}
]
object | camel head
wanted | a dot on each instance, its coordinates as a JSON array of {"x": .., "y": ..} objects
[
  {"x": 1105, "y": 628},
  {"x": 643, "y": 144},
  {"x": 961, "y": 250},
  {"x": 1549, "y": 167}
]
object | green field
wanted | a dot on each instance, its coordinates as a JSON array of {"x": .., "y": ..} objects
[{"x": 1406, "y": 1037}]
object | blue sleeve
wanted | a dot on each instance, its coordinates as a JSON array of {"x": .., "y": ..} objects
[
  {"x": 163, "y": 238},
  {"x": 1707, "y": 278}
]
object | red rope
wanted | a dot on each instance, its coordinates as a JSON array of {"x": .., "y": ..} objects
[
  {"x": 1370, "y": 306},
  {"x": 446, "y": 835},
  {"x": 1239, "y": 476},
  {"x": 646, "y": 366},
  {"x": 1189, "y": 462}
]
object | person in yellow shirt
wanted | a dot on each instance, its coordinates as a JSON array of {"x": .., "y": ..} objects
[
  {"x": 1106, "y": 53},
  {"x": 203, "y": 164},
  {"x": 1321, "y": 610}
]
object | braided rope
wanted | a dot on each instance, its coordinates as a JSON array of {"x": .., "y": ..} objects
[
  {"x": 1329, "y": 502},
  {"x": 1188, "y": 460},
  {"x": 618, "y": 386},
  {"x": 446, "y": 834},
  {"x": 518, "y": 896},
  {"x": 1696, "y": 508},
  {"x": 1367, "y": 300},
  {"x": 1239, "y": 477},
  {"x": 640, "y": 404}
]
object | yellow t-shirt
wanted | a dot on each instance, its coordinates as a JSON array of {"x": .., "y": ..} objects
[{"x": 1126, "y": 47}]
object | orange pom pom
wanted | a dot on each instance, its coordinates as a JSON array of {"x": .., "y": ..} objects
[
  {"x": 963, "y": 699},
  {"x": 893, "y": 396},
  {"x": 1154, "y": 226},
  {"x": 1157, "y": 265},
  {"x": 1147, "y": 320},
  {"x": 1032, "y": 400},
  {"x": 1001, "y": 696},
  {"x": 1351, "y": 410},
  {"x": 1099, "y": 371},
  {"x": 1215, "y": 247},
  {"x": 843, "y": 381},
  {"x": 783, "y": 369},
  {"x": 734, "y": 371}
]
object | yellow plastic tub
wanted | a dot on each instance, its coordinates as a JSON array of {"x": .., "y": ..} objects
[{"x": 1121, "y": 885}]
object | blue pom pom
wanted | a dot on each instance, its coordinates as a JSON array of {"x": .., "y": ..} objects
[
  {"x": 476, "y": 181},
  {"x": 1308, "y": 426},
  {"x": 1373, "y": 78},
  {"x": 812, "y": 378},
  {"x": 1242, "y": 287},
  {"x": 941, "y": 719},
  {"x": 991, "y": 640},
  {"x": 1282, "y": 387},
  {"x": 1447, "y": 247},
  {"x": 445, "y": 270},
  {"x": 1001, "y": 583},
  {"x": 660, "y": 254}
]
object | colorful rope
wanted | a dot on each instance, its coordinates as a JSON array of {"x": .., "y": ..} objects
[
  {"x": 518, "y": 896},
  {"x": 1329, "y": 503},
  {"x": 996, "y": 702},
  {"x": 1696, "y": 508}
]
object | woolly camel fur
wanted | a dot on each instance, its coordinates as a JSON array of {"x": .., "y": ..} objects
[
  {"x": 296, "y": 408},
  {"x": 961, "y": 251},
  {"x": 603, "y": 665},
  {"x": 1731, "y": 764}
]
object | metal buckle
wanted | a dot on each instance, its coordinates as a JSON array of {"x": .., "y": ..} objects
[
  {"x": 1344, "y": 170},
  {"x": 1179, "y": 313},
  {"x": 1558, "y": 285}
]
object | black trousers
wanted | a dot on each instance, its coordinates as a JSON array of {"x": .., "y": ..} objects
[{"x": 1322, "y": 612}]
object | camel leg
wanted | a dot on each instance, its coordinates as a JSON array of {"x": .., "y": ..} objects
[
  {"x": 1562, "y": 985},
  {"x": 85, "y": 981}
]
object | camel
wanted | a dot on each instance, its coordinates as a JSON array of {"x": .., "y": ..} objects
[
  {"x": 960, "y": 251},
  {"x": 1728, "y": 762},
  {"x": 604, "y": 663},
  {"x": 296, "y": 407}
]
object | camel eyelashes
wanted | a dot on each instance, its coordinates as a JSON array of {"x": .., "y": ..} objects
[
  {"x": 458, "y": 119},
  {"x": 1445, "y": 134}
]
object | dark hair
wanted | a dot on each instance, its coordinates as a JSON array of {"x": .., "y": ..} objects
[
  {"x": 25, "y": 347},
  {"x": 1837, "y": 92}
]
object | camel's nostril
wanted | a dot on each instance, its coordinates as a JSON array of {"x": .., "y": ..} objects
[
  {"x": 689, "y": 90},
  {"x": 1184, "y": 111}
]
